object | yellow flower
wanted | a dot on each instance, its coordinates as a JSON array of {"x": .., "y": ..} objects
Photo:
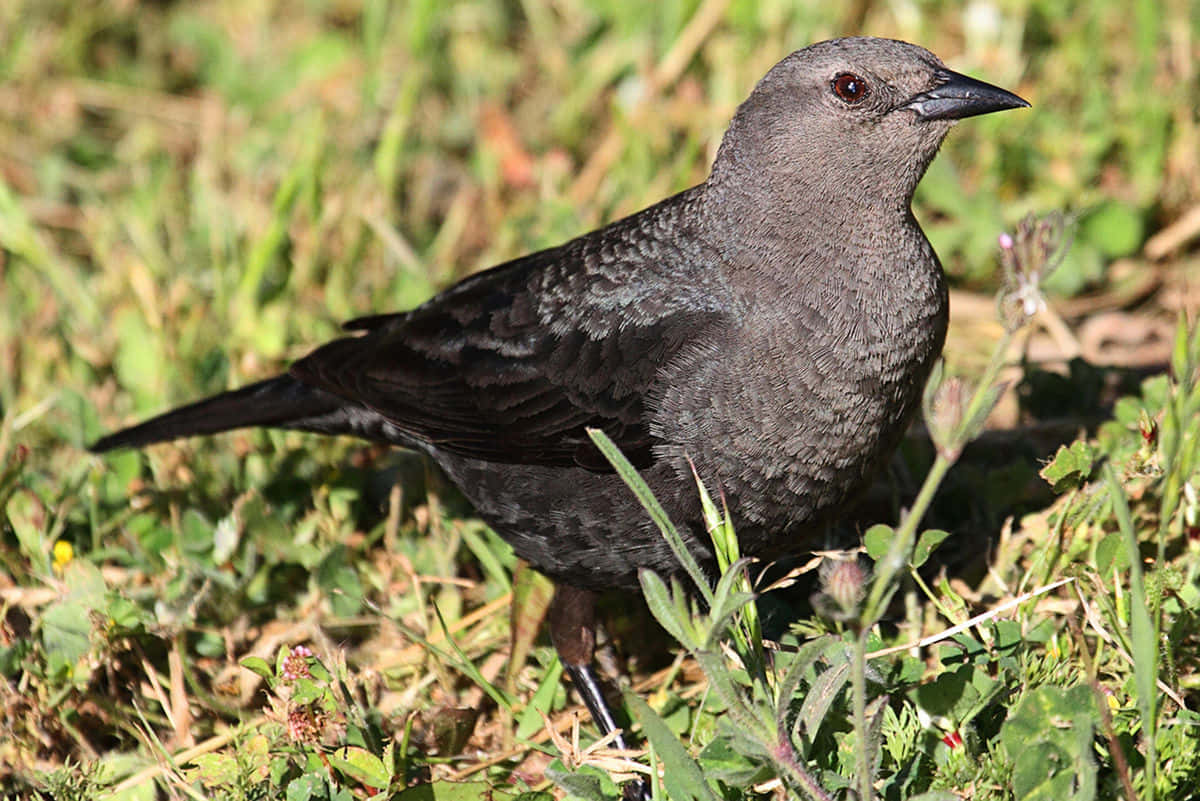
[{"x": 63, "y": 554}]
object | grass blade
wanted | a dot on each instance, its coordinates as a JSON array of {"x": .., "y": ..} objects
[
  {"x": 630, "y": 476},
  {"x": 1143, "y": 636}
]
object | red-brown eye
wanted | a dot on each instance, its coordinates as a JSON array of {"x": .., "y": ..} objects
[{"x": 849, "y": 87}]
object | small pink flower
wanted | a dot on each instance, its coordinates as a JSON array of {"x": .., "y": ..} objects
[
  {"x": 1027, "y": 258},
  {"x": 302, "y": 725},
  {"x": 295, "y": 666}
]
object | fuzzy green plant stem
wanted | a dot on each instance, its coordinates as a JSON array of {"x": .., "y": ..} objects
[
  {"x": 880, "y": 591},
  {"x": 899, "y": 555}
]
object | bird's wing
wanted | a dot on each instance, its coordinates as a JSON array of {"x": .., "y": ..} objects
[{"x": 513, "y": 364}]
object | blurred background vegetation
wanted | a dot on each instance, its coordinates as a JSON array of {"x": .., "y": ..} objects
[{"x": 194, "y": 193}]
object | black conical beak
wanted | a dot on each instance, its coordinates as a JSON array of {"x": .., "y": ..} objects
[{"x": 958, "y": 96}]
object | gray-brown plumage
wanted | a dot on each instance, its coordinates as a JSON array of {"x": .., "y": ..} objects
[{"x": 774, "y": 324}]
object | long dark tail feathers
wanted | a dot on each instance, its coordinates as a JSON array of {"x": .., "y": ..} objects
[{"x": 280, "y": 402}]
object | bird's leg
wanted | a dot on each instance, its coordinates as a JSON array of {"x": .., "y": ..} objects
[{"x": 572, "y": 619}]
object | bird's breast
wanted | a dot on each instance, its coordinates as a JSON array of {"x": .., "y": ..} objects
[{"x": 792, "y": 413}]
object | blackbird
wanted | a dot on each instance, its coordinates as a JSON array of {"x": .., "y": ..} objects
[{"x": 773, "y": 325}]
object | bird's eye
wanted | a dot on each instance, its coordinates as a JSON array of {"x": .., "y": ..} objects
[{"x": 850, "y": 88}]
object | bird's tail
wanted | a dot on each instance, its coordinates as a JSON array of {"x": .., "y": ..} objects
[{"x": 280, "y": 402}]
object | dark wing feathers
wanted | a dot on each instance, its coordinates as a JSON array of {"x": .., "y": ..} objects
[
  {"x": 480, "y": 403},
  {"x": 514, "y": 363}
]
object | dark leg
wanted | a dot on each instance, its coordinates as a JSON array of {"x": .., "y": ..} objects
[{"x": 572, "y": 618}]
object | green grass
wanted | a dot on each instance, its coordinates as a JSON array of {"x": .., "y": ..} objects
[{"x": 192, "y": 194}]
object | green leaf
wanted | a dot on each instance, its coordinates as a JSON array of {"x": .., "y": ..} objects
[
  {"x": 665, "y": 610},
  {"x": 530, "y": 721},
  {"x": 1071, "y": 466},
  {"x": 362, "y": 766},
  {"x": 1045, "y": 773},
  {"x": 722, "y": 616},
  {"x": 729, "y": 689},
  {"x": 1181, "y": 367},
  {"x": 874, "y": 714},
  {"x": 1110, "y": 553},
  {"x": 928, "y": 540},
  {"x": 213, "y": 770},
  {"x": 256, "y": 664},
  {"x": 682, "y": 776},
  {"x": 952, "y": 694},
  {"x": 878, "y": 539},
  {"x": 821, "y": 695},
  {"x": 454, "y": 791},
  {"x": 337, "y": 574},
  {"x": 1049, "y": 736},
  {"x": 66, "y": 630},
  {"x": 319, "y": 671},
  {"x": 67, "y": 624},
  {"x": 309, "y": 785},
  {"x": 804, "y": 661},
  {"x": 728, "y": 601},
  {"x": 306, "y": 691},
  {"x": 125, "y": 616},
  {"x": 581, "y": 784},
  {"x": 724, "y": 763}
]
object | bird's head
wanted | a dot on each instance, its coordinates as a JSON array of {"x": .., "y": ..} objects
[{"x": 857, "y": 118}]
